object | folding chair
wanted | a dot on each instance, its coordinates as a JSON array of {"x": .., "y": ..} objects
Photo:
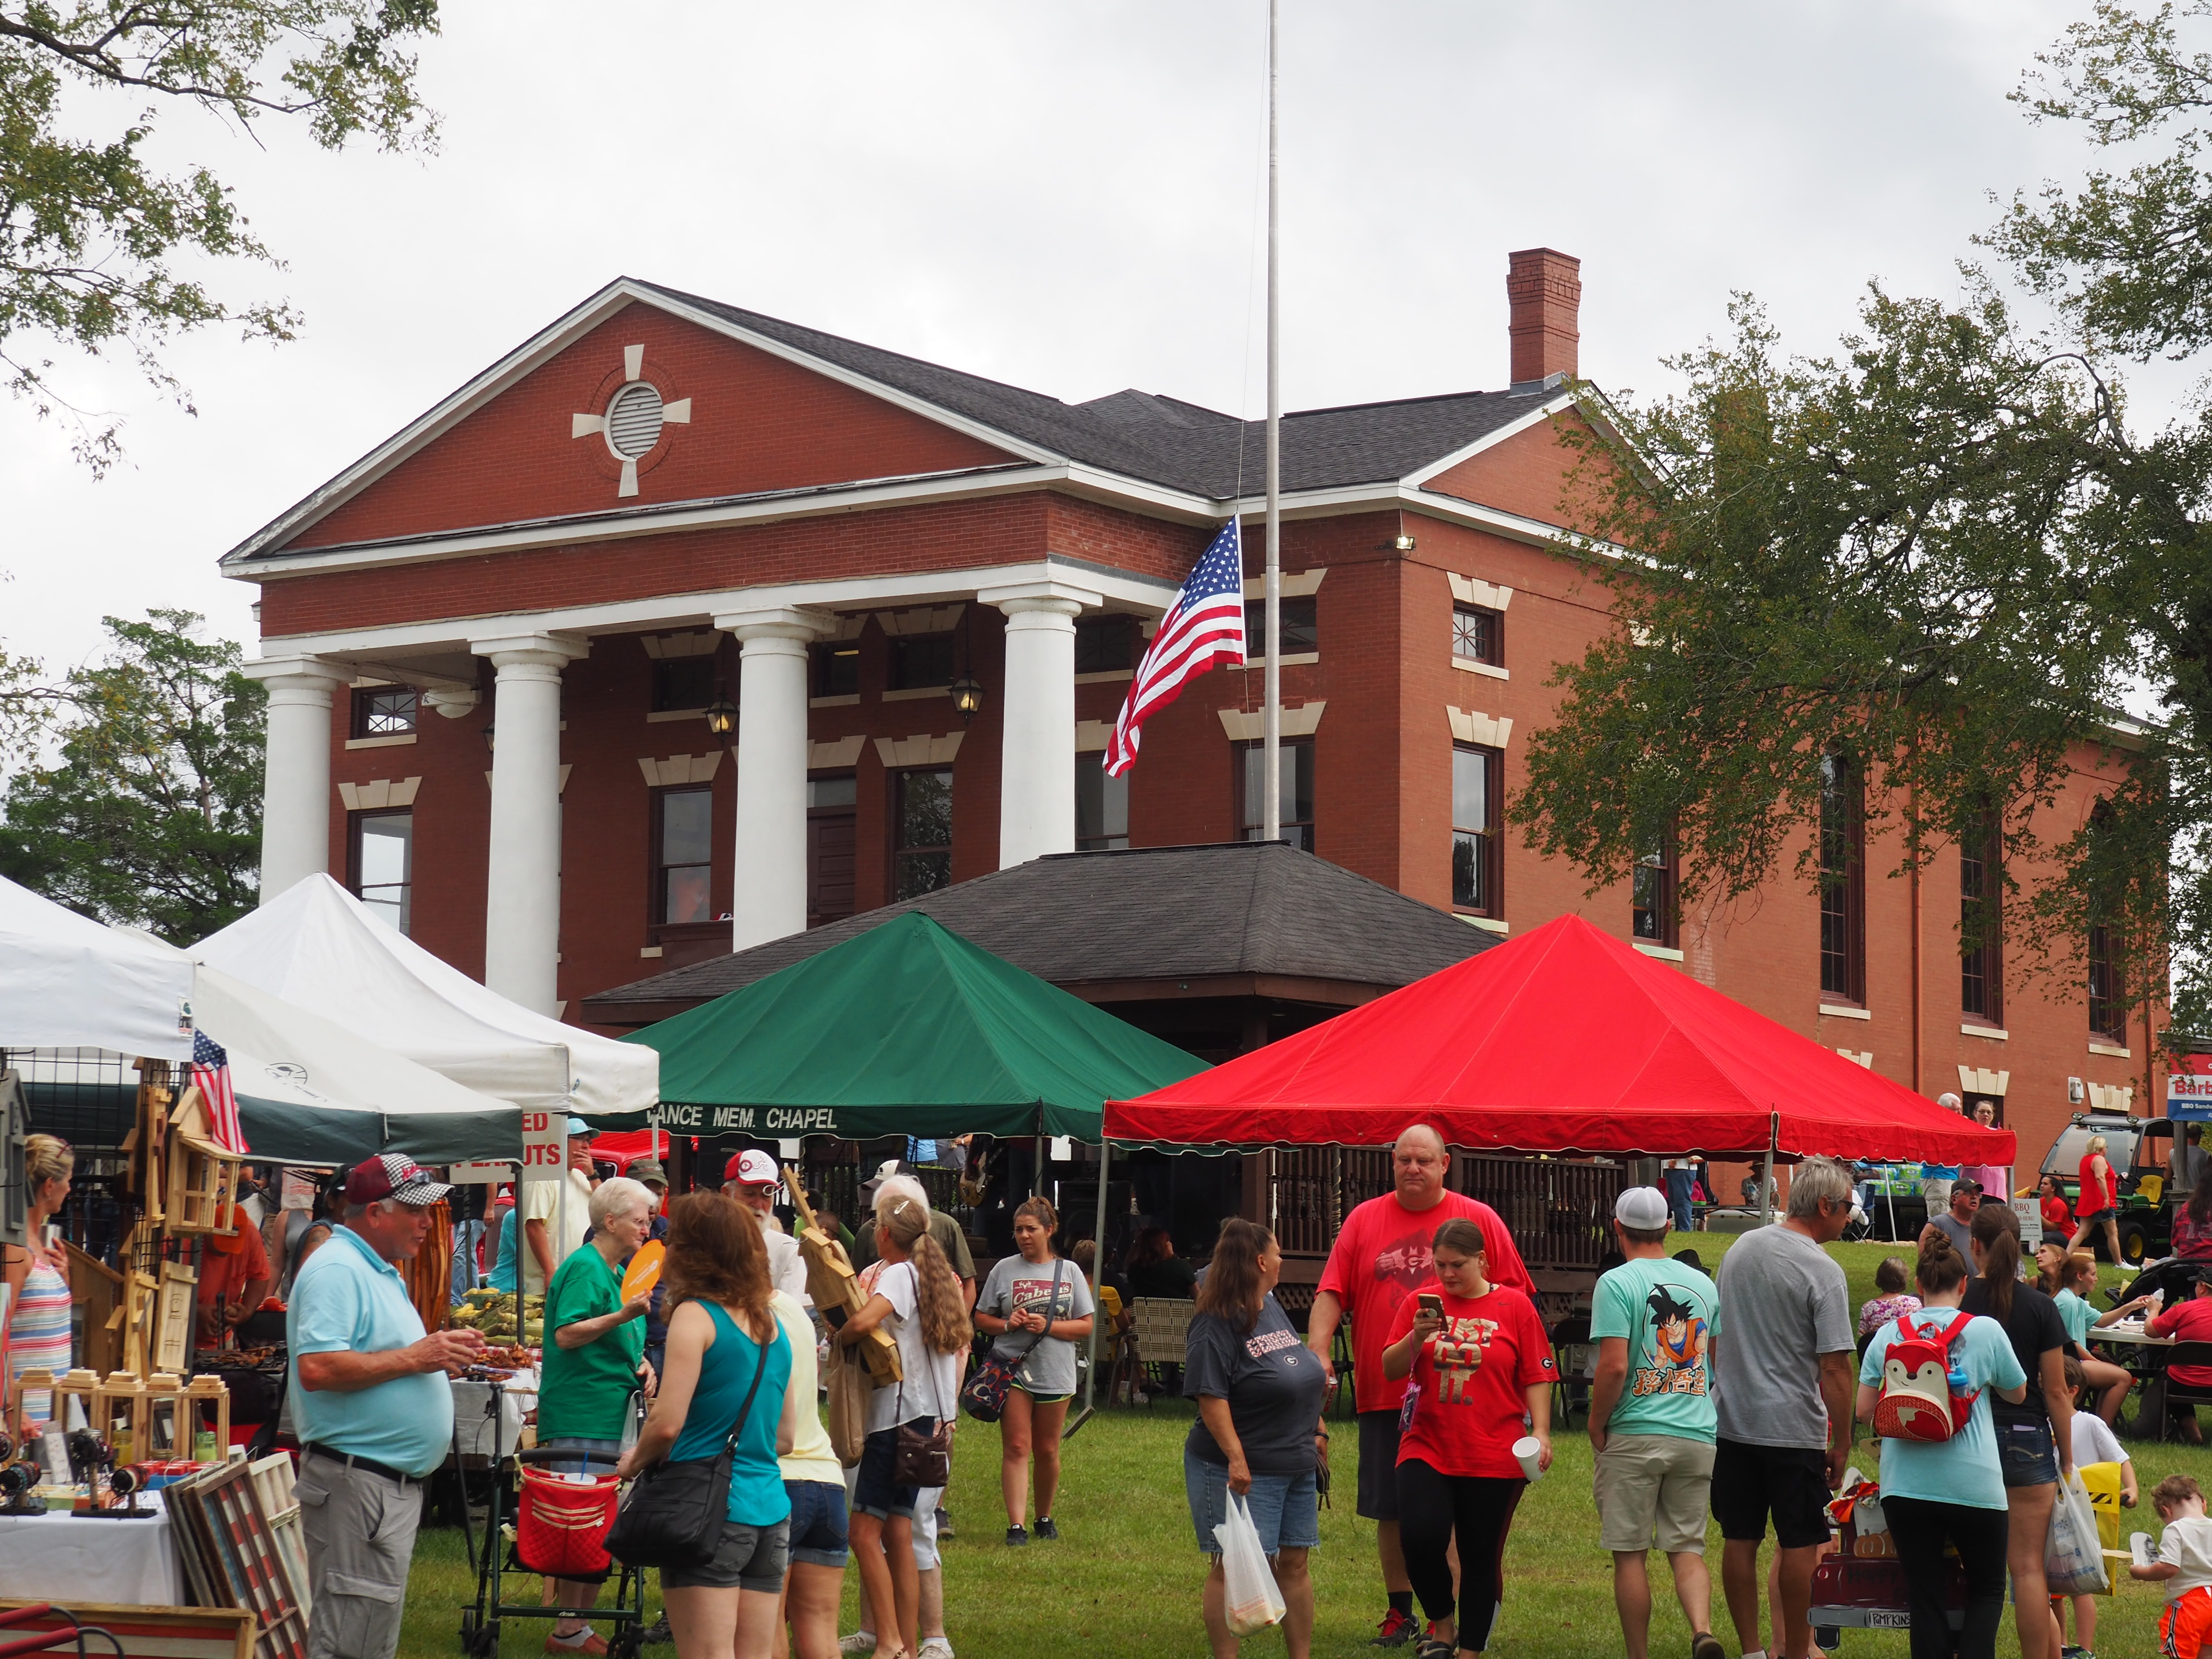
[
  {"x": 2192, "y": 1394},
  {"x": 1161, "y": 1329},
  {"x": 1571, "y": 1348}
]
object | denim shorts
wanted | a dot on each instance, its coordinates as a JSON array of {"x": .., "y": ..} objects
[
  {"x": 877, "y": 1491},
  {"x": 2026, "y": 1454},
  {"x": 752, "y": 1558},
  {"x": 1285, "y": 1507},
  {"x": 817, "y": 1523}
]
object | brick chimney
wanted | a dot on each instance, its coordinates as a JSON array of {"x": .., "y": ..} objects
[{"x": 1544, "y": 288}]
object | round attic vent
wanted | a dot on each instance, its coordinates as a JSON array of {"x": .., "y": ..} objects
[{"x": 633, "y": 420}]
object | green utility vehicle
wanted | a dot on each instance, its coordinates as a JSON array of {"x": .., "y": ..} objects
[{"x": 2139, "y": 1149}]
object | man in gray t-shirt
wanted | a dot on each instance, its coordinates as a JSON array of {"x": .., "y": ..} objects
[
  {"x": 1782, "y": 1390},
  {"x": 1957, "y": 1223}
]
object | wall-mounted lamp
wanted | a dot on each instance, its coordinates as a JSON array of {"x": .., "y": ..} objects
[
  {"x": 721, "y": 716},
  {"x": 488, "y": 743},
  {"x": 1403, "y": 545},
  {"x": 967, "y": 697}
]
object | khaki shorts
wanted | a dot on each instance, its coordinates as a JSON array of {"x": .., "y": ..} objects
[{"x": 1653, "y": 1488}]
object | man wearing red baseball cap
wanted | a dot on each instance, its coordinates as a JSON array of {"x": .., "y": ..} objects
[
  {"x": 371, "y": 1406},
  {"x": 752, "y": 1178}
]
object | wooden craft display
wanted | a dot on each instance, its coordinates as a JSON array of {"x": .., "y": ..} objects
[
  {"x": 98, "y": 1290},
  {"x": 79, "y": 1385},
  {"x": 168, "y": 1419},
  {"x": 119, "y": 1415},
  {"x": 210, "y": 1394},
  {"x": 835, "y": 1288},
  {"x": 151, "y": 1632},
  {"x": 232, "y": 1559},
  {"x": 172, "y": 1319}
]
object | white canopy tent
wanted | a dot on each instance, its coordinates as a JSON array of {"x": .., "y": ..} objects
[
  {"x": 319, "y": 948},
  {"x": 312, "y": 1091},
  {"x": 69, "y": 982}
]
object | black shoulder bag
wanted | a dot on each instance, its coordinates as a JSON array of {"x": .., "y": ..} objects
[{"x": 674, "y": 1515}]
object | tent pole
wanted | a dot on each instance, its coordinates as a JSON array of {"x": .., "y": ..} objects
[
  {"x": 1098, "y": 1270},
  {"x": 1766, "y": 1179}
]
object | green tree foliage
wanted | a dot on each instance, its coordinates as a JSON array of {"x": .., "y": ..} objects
[
  {"x": 1944, "y": 551},
  {"x": 152, "y": 815},
  {"x": 93, "y": 234}
]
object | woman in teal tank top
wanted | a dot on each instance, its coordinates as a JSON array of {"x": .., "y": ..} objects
[{"x": 723, "y": 1336}]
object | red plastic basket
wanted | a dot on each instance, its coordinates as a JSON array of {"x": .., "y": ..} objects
[{"x": 561, "y": 1524}]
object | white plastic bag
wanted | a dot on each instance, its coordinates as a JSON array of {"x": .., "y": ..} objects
[
  {"x": 2073, "y": 1558},
  {"x": 1253, "y": 1602}
]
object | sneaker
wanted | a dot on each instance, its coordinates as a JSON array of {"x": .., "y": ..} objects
[
  {"x": 1435, "y": 1647},
  {"x": 943, "y": 1530},
  {"x": 860, "y": 1640},
  {"x": 1706, "y": 1645},
  {"x": 656, "y": 1634},
  {"x": 935, "y": 1647},
  {"x": 1396, "y": 1631},
  {"x": 1016, "y": 1537},
  {"x": 1046, "y": 1529}
]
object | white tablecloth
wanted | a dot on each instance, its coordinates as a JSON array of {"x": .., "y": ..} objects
[
  {"x": 53, "y": 1558},
  {"x": 472, "y": 1427}
]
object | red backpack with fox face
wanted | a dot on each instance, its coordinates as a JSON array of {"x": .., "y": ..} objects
[{"x": 1918, "y": 1400}]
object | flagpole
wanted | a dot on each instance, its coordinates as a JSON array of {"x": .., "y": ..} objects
[{"x": 1270, "y": 812}]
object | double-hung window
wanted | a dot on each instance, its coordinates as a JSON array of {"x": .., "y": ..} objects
[{"x": 1478, "y": 861}]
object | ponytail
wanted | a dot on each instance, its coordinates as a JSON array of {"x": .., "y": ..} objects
[
  {"x": 945, "y": 1326},
  {"x": 1997, "y": 1230}
]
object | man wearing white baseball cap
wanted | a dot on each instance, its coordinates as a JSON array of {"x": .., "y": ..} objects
[
  {"x": 1651, "y": 1422},
  {"x": 752, "y": 1178},
  {"x": 373, "y": 1409}
]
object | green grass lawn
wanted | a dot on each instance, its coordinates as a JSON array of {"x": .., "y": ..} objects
[{"x": 1125, "y": 1577}]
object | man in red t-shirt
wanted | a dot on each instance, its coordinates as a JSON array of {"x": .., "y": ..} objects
[
  {"x": 1378, "y": 1258},
  {"x": 2192, "y": 1321},
  {"x": 235, "y": 1277}
]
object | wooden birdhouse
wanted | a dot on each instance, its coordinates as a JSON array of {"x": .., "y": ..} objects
[{"x": 203, "y": 1176}]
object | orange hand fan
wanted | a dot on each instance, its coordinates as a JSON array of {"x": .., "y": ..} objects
[{"x": 644, "y": 1271}]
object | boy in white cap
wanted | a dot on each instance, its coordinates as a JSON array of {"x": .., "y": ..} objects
[{"x": 1651, "y": 1422}]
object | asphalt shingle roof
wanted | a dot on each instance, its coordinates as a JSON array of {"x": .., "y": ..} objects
[
  {"x": 1161, "y": 440},
  {"x": 1153, "y": 913}
]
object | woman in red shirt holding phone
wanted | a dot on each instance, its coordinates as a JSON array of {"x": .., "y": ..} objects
[{"x": 1482, "y": 1373}]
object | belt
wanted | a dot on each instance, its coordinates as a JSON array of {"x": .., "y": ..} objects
[{"x": 363, "y": 1463}]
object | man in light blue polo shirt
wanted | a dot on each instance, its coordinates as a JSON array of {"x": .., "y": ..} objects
[{"x": 371, "y": 1404}]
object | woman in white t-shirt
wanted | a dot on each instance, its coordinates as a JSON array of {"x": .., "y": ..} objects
[{"x": 918, "y": 1294}]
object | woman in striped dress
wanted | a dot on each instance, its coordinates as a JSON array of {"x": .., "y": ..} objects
[{"x": 37, "y": 1279}]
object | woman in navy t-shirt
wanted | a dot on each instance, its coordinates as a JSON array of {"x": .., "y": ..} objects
[{"x": 1258, "y": 1434}]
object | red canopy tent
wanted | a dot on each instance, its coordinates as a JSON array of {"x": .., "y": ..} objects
[{"x": 1564, "y": 1040}]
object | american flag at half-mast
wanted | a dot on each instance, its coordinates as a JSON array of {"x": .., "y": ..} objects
[
  {"x": 1203, "y": 626},
  {"x": 210, "y": 1070}
]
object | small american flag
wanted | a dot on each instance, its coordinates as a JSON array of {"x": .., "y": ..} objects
[
  {"x": 211, "y": 1071},
  {"x": 1203, "y": 627}
]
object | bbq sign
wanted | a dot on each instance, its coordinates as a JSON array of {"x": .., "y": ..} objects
[{"x": 2189, "y": 1097}]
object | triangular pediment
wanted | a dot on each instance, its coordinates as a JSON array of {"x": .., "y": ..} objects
[{"x": 628, "y": 402}]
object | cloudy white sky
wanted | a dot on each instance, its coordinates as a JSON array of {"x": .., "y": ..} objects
[{"x": 1061, "y": 196}]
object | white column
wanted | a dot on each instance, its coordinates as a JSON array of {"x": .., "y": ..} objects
[
  {"x": 1037, "y": 776},
  {"x": 295, "y": 774},
  {"x": 769, "y": 894},
  {"x": 522, "y": 895}
]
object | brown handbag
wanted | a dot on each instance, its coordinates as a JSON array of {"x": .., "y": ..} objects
[{"x": 923, "y": 1460}]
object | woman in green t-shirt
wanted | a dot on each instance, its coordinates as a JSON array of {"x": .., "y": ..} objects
[{"x": 593, "y": 1362}]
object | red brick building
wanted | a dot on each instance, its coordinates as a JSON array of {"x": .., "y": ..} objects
[{"x": 521, "y": 655}]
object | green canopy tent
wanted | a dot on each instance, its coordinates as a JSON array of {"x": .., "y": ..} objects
[{"x": 906, "y": 1030}]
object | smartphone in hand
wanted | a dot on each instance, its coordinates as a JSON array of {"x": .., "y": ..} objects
[{"x": 1432, "y": 1304}]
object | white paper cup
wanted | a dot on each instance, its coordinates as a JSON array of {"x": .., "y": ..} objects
[{"x": 1526, "y": 1450}]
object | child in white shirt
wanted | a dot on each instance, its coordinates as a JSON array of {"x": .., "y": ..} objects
[
  {"x": 2184, "y": 1565},
  {"x": 2093, "y": 1442}
]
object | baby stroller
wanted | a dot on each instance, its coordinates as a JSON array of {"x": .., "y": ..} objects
[{"x": 559, "y": 1528}]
